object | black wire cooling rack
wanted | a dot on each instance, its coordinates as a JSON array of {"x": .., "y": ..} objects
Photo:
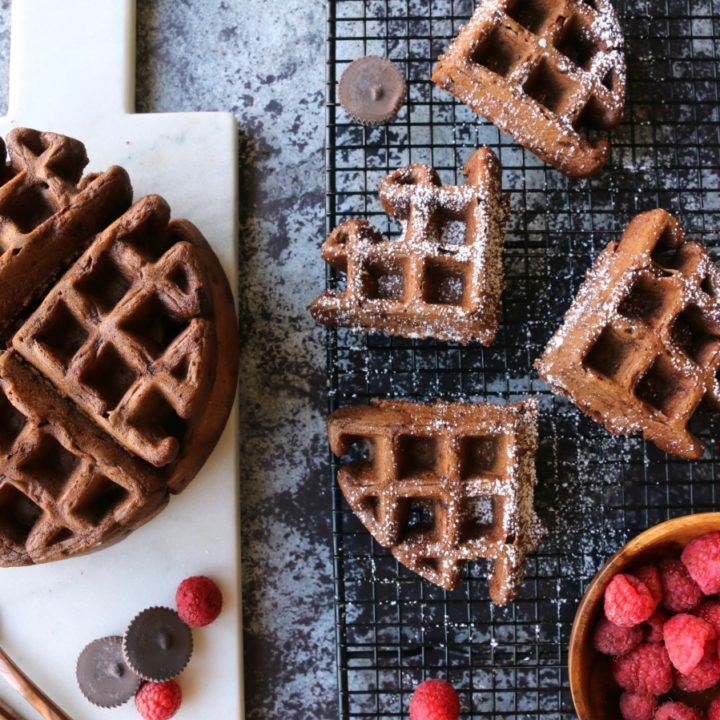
[{"x": 595, "y": 490}]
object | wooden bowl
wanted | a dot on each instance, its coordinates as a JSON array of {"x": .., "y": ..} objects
[{"x": 594, "y": 692}]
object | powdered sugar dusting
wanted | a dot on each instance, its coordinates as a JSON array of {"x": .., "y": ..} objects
[
  {"x": 640, "y": 346},
  {"x": 545, "y": 86},
  {"x": 443, "y": 462},
  {"x": 444, "y": 277}
]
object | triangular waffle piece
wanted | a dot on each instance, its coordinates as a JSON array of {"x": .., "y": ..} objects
[
  {"x": 640, "y": 346},
  {"x": 65, "y": 487},
  {"x": 48, "y": 212},
  {"x": 443, "y": 278},
  {"x": 442, "y": 484},
  {"x": 546, "y": 72},
  {"x": 128, "y": 333}
]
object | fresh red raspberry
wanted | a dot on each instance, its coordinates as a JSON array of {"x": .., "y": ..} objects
[
  {"x": 199, "y": 601},
  {"x": 709, "y": 611},
  {"x": 654, "y": 625},
  {"x": 637, "y": 707},
  {"x": 677, "y": 711},
  {"x": 687, "y": 639},
  {"x": 704, "y": 676},
  {"x": 628, "y": 601},
  {"x": 611, "y": 639},
  {"x": 434, "y": 700},
  {"x": 158, "y": 701},
  {"x": 713, "y": 712},
  {"x": 681, "y": 592},
  {"x": 650, "y": 575},
  {"x": 701, "y": 557},
  {"x": 645, "y": 670}
]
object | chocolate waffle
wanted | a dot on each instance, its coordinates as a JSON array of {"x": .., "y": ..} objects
[
  {"x": 66, "y": 487},
  {"x": 116, "y": 384},
  {"x": 125, "y": 332},
  {"x": 48, "y": 212},
  {"x": 443, "y": 278},
  {"x": 546, "y": 72},
  {"x": 640, "y": 346},
  {"x": 442, "y": 484}
]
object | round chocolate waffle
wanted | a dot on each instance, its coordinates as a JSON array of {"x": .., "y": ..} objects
[{"x": 117, "y": 368}]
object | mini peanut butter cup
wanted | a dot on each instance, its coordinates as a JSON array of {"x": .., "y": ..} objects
[
  {"x": 157, "y": 644},
  {"x": 104, "y": 676},
  {"x": 371, "y": 90}
]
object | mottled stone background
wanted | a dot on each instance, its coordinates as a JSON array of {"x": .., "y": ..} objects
[{"x": 264, "y": 61}]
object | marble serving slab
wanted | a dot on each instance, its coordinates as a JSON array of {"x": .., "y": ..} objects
[{"x": 72, "y": 71}]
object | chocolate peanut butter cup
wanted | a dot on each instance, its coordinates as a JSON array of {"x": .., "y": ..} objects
[
  {"x": 371, "y": 90},
  {"x": 104, "y": 676},
  {"x": 158, "y": 644}
]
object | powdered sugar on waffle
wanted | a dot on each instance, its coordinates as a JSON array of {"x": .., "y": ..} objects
[
  {"x": 606, "y": 26},
  {"x": 443, "y": 277},
  {"x": 520, "y": 77},
  {"x": 381, "y": 489},
  {"x": 566, "y": 364}
]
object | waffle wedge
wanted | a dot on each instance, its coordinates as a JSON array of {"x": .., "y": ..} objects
[
  {"x": 66, "y": 487},
  {"x": 443, "y": 278},
  {"x": 443, "y": 484},
  {"x": 546, "y": 72},
  {"x": 639, "y": 348},
  {"x": 49, "y": 212}
]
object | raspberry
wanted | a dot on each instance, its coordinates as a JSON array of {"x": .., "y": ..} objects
[
  {"x": 434, "y": 700},
  {"x": 681, "y": 592},
  {"x": 645, "y": 670},
  {"x": 654, "y": 625},
  {"x": 650, "y": 575},
  {"x": 199, "y": 601},
  {"x": 701, "y": 557},
  {"x": 709, "y": 611},
  {"x": 687, "y": 639},
  {"x": 713, "y": 712},
  {"x": 637, "y": 707},
  {"x": 158, "y": 701},
  {"x": 704, "y": 676},
  {"x": 677, "y": 711},
  {"x": 611, "y": 639},
  {"x": 628, "y": 601}
]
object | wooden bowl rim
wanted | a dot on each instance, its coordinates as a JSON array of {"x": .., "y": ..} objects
[{"x": 643, "y": 541}]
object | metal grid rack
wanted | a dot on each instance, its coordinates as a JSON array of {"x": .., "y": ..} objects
[{"x": 595, "y": 490}]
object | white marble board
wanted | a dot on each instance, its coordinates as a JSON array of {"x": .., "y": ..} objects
[{"x": 72, "y": 71}]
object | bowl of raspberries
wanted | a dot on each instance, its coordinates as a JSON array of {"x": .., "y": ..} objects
[{"x": 645, "y": 643}]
